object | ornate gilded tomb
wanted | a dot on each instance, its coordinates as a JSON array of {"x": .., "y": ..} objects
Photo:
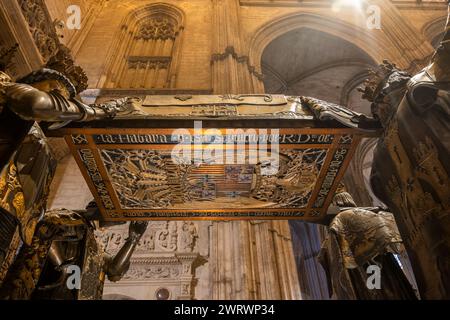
[{"x": 216, "y": 157}]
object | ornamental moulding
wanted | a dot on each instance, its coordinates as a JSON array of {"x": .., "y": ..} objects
[{"x": 230, "y": 51}]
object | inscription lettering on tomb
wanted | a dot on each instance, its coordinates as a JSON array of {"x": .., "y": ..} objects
[
  {"x": 89, "y": 162},
  {"x": 218, "y": 174},
  {"x": 205, "y": 138}
]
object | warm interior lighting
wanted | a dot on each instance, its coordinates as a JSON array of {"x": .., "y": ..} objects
[{"x": 340, "y": 4}]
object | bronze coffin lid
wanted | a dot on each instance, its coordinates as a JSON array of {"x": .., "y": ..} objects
[{"x": 128, "y": 164}]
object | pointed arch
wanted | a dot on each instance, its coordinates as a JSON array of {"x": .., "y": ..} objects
[
  {"x": 433, "y": 31},
  {"x": 146, "y": 52},
  {"x": 354, "y": 34}
]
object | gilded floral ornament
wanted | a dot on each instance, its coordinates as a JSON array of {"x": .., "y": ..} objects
[{"x": 19, "y": 204}]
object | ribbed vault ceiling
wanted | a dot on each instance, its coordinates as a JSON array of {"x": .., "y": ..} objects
[{"x": 313, "y": 63}]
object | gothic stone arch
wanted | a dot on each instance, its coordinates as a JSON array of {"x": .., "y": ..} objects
[
  {"x": 146, "y": 52},
  {"x": 356, "y": 35}
]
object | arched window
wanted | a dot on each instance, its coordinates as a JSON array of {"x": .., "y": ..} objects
[{"x": 145, "y": 54}]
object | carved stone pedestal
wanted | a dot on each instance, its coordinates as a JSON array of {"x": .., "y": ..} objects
[{"x": 163, "y": 266}]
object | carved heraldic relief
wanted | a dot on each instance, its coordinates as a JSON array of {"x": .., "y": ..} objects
[{"x": 154, "y": 173}]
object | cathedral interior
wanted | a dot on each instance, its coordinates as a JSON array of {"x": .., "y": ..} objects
[{"x": 224, "y": 149}]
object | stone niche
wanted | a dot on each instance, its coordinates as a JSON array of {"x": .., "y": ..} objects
[{"x": 164, "y": 263}]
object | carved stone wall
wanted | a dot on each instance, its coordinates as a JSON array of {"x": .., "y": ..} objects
[
  {"x": 38, "y": 31},
  {"x": 61, "y": 12},
  {"x": 40, "y": 26},
  {"x": 166, "y": 261},
  {"x": 146, "y": 54},
  {"x": 35, "y": 44}
]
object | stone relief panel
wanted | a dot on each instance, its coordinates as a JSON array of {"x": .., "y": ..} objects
[
  {"x": 161, "y": 236},
  {"x": 164, "y": 265},
  {"x": 159, "y": 27}
]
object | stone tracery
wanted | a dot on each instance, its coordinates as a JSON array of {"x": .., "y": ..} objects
[{"x": 152, "y": 35}]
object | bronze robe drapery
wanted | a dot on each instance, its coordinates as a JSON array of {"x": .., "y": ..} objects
[{"x": 357, "y": 239}]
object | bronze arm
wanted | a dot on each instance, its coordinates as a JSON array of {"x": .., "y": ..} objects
[
  {"x": 32, "y": 104},
  {"x": 51, "y": 97},
  {"x": 67, "y": 226},
  {"x": 117, "y": 266}
]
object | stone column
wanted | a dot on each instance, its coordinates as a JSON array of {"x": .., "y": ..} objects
[
  {"x": 253, "y": 260},
  {"x": 307, "y": 241},
  {"x": 231, "y": 71},
  {"x": 249, "y": 259}
]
